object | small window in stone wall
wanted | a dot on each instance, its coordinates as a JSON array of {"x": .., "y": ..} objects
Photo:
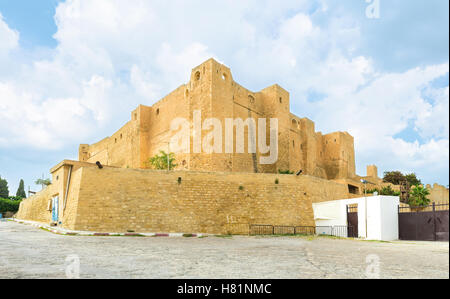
[
  {"x": 224, "y": 77},
  {"x": 197, "y": 76},
  {"x": 353, "y": 189},
  {"x": 251, "y": 99},
  {"x": 157, "y": 111},
  {"x": 281, "y": 100}
]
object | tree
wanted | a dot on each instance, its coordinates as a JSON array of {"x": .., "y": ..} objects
[
  {"x": 418, "y": 196},
  {"x": 393, "y": 177},
  {"x": 4, "y": 191},
  {"x": 21, "y": 190},
  {"x": 159, "y": 162},
  {"x": 388, "y": 191},
  {"x": 413, "y": 180},
  {"x": 43, "y": 182}
]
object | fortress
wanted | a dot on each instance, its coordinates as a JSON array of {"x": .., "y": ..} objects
[
  {"x": 222, "y": 191},
  {"x": 212, "y": 91}
]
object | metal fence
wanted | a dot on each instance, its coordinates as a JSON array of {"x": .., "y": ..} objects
[
  {"x": 405, "y": 208},
  {"x": 337, "y": 231}
]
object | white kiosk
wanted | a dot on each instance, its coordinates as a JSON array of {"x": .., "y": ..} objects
[{"x": 380, "y": 223}]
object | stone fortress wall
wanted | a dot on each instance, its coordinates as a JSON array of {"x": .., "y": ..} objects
[
  {"x": 119, "y": 200},
  {"x": 212, "y": 91}
]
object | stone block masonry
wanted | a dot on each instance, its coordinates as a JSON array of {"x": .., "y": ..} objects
[
  {"x": 212, "y": 91},
  {"x": 122, "y": 200}
]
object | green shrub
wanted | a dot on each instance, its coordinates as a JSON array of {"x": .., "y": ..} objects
[
  {"x": 389, "y": 191},
  {"x": 7, "y": 205},
  {"x": 159, "y": 162},
  {"x": 372, "y": 191},
  {"x": 15, "y": 198},
  {"x": 285, "y": 171}
]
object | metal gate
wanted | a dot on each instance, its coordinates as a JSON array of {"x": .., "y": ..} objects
[
  {"x": 428, "y": 223},
  {"x": 352, "y": 221}
]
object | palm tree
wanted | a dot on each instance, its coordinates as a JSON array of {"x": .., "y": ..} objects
[
  {"x": 43, "y": 182},
  {"x": 418, "y": 196}
]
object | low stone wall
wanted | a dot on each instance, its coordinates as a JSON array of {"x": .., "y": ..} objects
[
  {"x": 35, "y": 208},
  {"x": 121, "y": 200}
]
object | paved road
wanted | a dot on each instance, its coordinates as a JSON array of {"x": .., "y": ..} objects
[{"x": 28, "y": 252}]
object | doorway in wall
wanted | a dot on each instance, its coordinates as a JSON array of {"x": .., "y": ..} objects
[
  {"x": 55, "y": 209},
  {"x": 352, "y": 221}
]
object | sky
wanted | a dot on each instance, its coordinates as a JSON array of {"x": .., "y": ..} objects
[{"x": 72, "y": 71}]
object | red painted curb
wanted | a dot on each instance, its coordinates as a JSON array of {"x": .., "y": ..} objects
[
  {"x": 101, "y": 234},
  {"x": 161, "y": 235}
]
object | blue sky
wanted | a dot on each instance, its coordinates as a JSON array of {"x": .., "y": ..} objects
[
  {"x": 33, "y": 19},
  {"x": 71, "y": 71}
]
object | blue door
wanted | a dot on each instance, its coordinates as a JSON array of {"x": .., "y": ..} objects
[{"x": 55, "y": 209}]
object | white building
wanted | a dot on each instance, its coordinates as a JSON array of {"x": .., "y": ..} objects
[{"x": 381, "y": 222}]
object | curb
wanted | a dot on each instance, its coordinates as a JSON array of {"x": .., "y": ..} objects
[{"x": 65, "y": 232}]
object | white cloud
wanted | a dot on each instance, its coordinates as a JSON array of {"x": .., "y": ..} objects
[
  {"x": 297, "y": 28},
  {"x": 143, "y": 84},
  {"x": 378, "y": 112},
  {"x": 26, "y": 120},
  {"x": 177, "y": 66},
  {"x": 9, "y": 38},
  {"x": 112, "y": 56},
  {"x": 432, "y": 119}
]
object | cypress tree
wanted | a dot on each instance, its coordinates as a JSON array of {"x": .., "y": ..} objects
[
  {"x": 4, "y": 192},
  {"x": 21, "y": 190}
]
